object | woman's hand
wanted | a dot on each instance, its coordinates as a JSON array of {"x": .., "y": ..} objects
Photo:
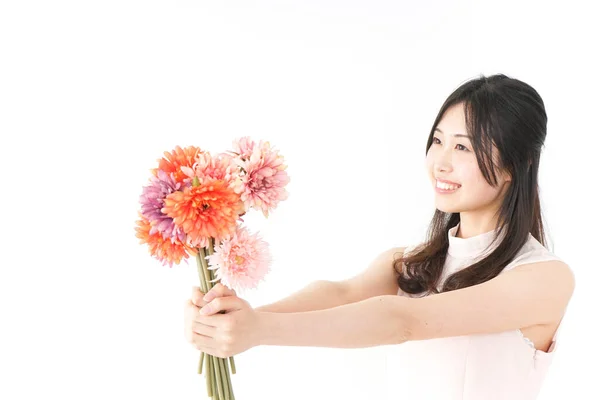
[
  {"x": 222, "y": 335},
  {"x": 191, "y": 308}
]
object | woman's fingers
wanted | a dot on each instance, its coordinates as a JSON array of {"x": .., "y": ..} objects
[
  {"x": 203, "y": 338},
  {"x": 221, "y": 304},
  {"x": 203, "y": 330},
  {"x": 197, "y": 296},
  {"x": 200, "y": 330},
  {"x": 219, "y": 290},
  {"x": 203, "y": 343},
  {"x": 189, "y": 316},
  {"x": 191, "y": 310}
]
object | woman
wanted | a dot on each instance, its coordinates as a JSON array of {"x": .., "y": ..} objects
[{"x": 477, "y": 305}]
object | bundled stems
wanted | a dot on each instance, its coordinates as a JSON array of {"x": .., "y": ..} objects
[
  {"x": 218, "y": 379},
  {"x": 210, "y": 250}
]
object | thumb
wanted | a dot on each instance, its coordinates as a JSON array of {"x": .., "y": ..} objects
[
  {"x": 197, "y": 296},
  {"x": 219, "y": 290}
]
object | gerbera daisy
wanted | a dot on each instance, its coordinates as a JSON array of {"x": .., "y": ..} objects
[
  {"x": 153, "y": 199},
  {"x": 174, "y": 160},
  {"x": 241, "y": 261},
  {"x": 220, "y": 167},
  {"x": 264, "y": 176},
  {"x": 168, "y": 251},
  {"x": 208, "y": 210}
]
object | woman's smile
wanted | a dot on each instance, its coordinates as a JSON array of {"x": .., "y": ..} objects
[{"x": 445, "y": 188}]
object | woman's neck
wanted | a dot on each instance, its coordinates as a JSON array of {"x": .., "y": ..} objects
[{"x": 471, "y": 225}]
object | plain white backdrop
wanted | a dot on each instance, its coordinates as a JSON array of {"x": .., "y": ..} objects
[{"x": 92, "y": 93}]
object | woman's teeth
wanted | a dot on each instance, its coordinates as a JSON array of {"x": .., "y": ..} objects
[{"x": 446, "y": 186}]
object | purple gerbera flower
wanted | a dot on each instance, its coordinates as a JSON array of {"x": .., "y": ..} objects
[{"x": 152, "y": 200}]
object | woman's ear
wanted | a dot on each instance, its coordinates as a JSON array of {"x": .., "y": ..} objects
[{"x": 506, "y": 176}]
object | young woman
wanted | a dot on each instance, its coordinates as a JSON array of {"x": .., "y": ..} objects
[{"x": 477, "y": 305}]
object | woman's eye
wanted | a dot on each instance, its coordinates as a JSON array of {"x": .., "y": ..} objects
[{"x": 436, "y": 141}]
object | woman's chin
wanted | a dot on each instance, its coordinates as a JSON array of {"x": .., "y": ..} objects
[{"x": 446, "y": 207}]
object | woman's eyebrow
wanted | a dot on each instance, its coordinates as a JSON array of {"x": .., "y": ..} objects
[{"x": 455, "y": 135}]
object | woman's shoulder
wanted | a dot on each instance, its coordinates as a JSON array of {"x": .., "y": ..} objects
[{"x": 532, "y": 251}]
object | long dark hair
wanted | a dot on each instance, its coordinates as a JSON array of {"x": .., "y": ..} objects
[{"x": 509, "y": 114}]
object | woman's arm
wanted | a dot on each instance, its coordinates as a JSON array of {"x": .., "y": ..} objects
[
  {"x": 317, "y": 295},
  {"x": 379, "y": 278},
  {"x": 530, "y": 294},
  {"x": 371, "y": 322}
]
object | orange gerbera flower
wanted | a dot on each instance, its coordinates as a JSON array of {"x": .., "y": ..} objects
[
  {"x": 173, "y": 161},
  {"x": 168, "y": 251},
  {"x": 208, "y": 210}
]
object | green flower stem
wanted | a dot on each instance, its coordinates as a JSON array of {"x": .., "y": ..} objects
[
  {"x": 200, "y": 272},
  {"x": 228, "y": 376},
  {"x": 201, "y": 363},
  {"x": 213, "y": 376},
  {"x": 232, "y": 364},
  {"x": 209, "y": 379},
  {"x": 226, "y": 388},
  {"x": 205, "y": 271},
  {"x": 226, "y": 379},
  {"x": 211, "y": 246},
  {"x": 219, "y": 378}
]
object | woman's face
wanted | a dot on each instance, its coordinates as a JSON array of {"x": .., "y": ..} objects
[{"x": 451, "y": 158}]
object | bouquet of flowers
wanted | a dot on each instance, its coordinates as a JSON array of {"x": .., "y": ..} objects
[{"x": 193, "y": 207}]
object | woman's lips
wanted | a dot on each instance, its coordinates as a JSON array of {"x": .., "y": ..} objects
[{"x": 445, "y": 191}]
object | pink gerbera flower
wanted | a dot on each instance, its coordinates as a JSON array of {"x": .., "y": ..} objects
[
  {"x": 241, "y": 261},
  {"x": 264, "y": 176},
  {"x": 220, "y": 167}
]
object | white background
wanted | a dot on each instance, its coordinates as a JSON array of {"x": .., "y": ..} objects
[{"x": 92, "y": 93}]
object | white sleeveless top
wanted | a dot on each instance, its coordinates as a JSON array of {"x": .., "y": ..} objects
[{"x": 500, "y": 366}]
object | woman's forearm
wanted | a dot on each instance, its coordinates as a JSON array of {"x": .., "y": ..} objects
[
  {"x": 317, "y": 295},
  {"x": 372, "y": 322}
]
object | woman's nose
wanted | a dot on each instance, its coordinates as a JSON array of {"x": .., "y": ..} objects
[
  {"x": 443, "y": 168},
  {"x": 443, "y": 161}
]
